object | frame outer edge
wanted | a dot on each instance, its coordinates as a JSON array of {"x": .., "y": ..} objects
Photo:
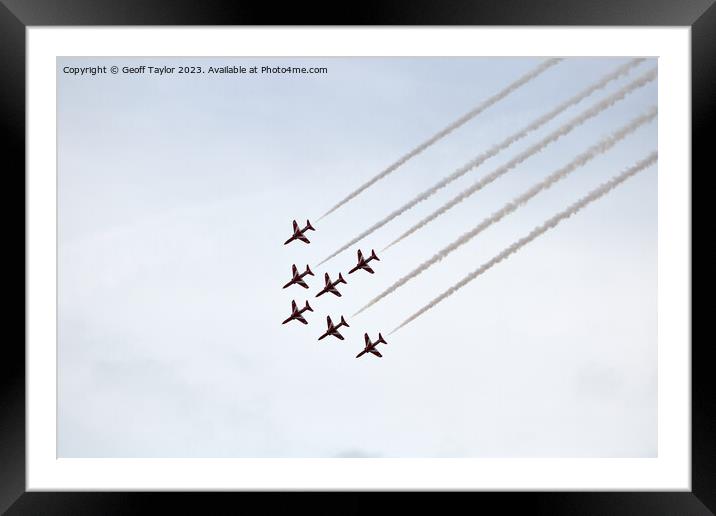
[
  {"x": 703, "y": 126},
  {"x": 12, "y": 361}
]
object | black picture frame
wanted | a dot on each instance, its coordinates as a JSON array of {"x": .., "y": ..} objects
[{"x": 17, "y": 15}]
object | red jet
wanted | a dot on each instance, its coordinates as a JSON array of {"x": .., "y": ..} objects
[
  {"x": 296, "y": 313},
  {"x": 297, "y": 277},
  {"x": 298, "y": 234},
  {"x": 333, "y": 329},
  {"x": 331, "y": 286},
  {"x": 363, "y": 262},
  {"x": 370, "y": 346}
]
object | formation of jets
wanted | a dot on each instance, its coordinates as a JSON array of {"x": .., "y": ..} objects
[{"x": 297, "y": 278}]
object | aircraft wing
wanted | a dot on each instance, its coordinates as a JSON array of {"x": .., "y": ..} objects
[
  {"x": 376, "y": 353},
  {"x": 339, "y": 335},
  {"x": 300, "y": 318},
  {"x": 333, "y": 290},
  {"x": 367, "y": 340},
  {"x": 303, "y": 239},
  {"x": 295, "y": 226},
  {"x": 367, "y": 268},
  {"x": 301, "y": 282}
]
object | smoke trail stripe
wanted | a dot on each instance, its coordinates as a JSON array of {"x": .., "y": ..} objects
[
  {"x": 599, "y": 148},
  {"x": 550, "y": 223},
  {"x": 534, "y": 149},
  {"x": 448, "y": 129},
  {"x": 492, "y": 151}
]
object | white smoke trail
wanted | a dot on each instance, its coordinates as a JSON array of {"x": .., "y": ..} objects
[
  {"x": 447, "y": 130},
  {"x": 599, "y": 148},
  {"x": 549, "y": 224},
  {"x": 476, "y": 162},
  {"x": 537, "y": 147}
]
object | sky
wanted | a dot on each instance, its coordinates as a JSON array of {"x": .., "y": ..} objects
[{"x": 176, "y": 193}]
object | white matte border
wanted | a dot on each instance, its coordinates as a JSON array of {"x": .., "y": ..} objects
[{"x": 670, "y": 471}]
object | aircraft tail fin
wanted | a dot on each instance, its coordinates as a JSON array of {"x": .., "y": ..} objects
[
  {"x": 344, "y": 323},
  {"x": 308, "y": 270},
  {"x": 308, "y": 226},
  {"x": 373, "y": 255},
  {"x": 308, "y": 307},
  {"x": 340, "y": 278},
  {"x": 381, "y": 339}
]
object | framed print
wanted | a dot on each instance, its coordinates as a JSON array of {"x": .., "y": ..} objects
[{"x": 420, "y": 249}]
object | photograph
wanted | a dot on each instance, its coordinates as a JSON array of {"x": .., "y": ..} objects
[{"x": 357, "y": 257}]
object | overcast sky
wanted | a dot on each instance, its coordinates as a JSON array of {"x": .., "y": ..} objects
[{"x": 177, "y": 192}]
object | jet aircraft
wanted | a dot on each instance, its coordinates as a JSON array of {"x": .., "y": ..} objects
[
  {"x": 297, "y": 278},
  {"x": 333, "y": 328},
  {"x": 296, "y": 313},
  {"x": 331, "y": 286},
  {"x": 298, "y": 234},
  {"x": 363, "y": 262},
  {"x": 370, "y": 346}
]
